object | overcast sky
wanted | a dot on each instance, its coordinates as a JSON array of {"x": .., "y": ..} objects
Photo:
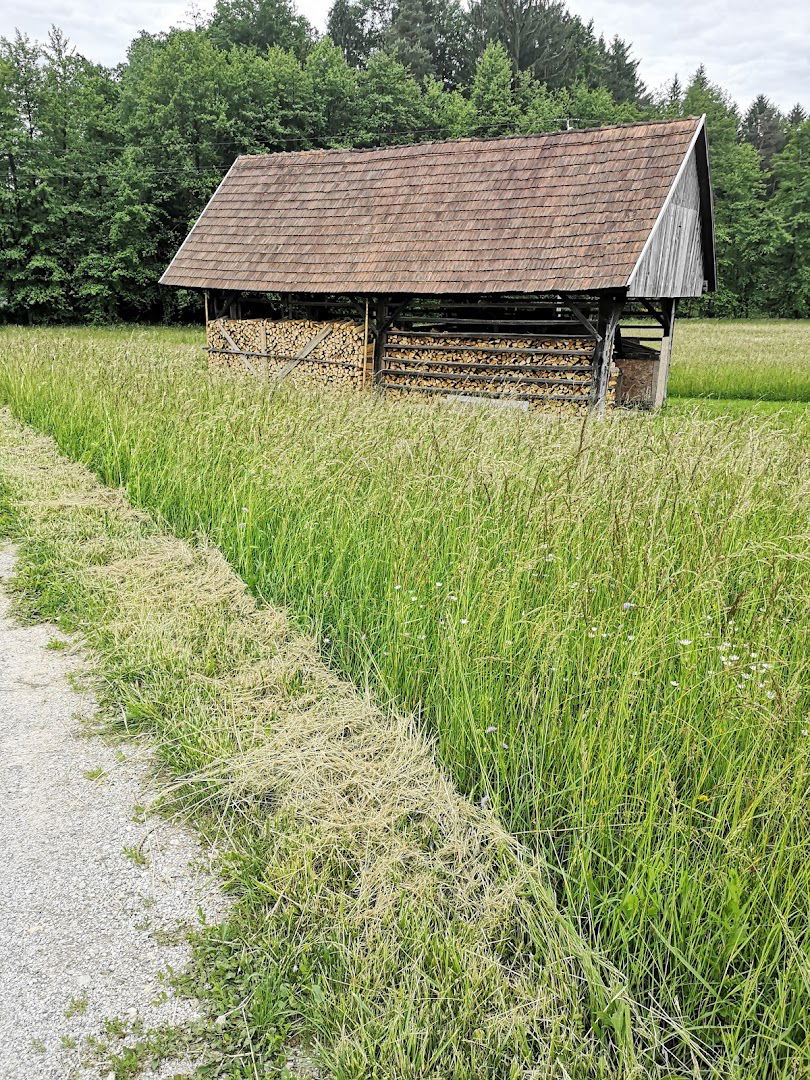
[{"x": 749, "y": 47}]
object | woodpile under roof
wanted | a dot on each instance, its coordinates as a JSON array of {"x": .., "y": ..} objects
[{"x": 577, "y": 211}]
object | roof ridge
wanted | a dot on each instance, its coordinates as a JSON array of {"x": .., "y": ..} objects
[{"x": 473, "y": 139}]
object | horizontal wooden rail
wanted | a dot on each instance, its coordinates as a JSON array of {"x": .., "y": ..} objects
[
  {"x": 486, "y": 365},
  {"x": 485, "y": 320},
  {"x": 473, "y": 377},
  {"x": 286, "y": 356},
  {"x": 493, "y": 350},
  {"x": 487, "y": 394},
  {"x": 476, "y": 335}
]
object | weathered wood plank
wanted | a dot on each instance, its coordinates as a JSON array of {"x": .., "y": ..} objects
[{"x": 672, "y": 261}]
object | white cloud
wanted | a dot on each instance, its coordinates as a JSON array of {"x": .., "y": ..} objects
[{"x": 747, "y": 47}]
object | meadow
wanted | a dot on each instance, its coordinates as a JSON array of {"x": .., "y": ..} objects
[{"x": 601, "y": 627}]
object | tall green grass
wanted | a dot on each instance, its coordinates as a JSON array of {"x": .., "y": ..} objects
[
  {"x": 602, "y": 625},
  {"x": 766, "y": 360}
]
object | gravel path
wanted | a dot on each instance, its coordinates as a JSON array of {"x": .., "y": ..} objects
[{"x": 78, "y": 917}]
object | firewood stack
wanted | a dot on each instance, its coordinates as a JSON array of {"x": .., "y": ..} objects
[
  {"x": 268, "y": 347},
  {"x": 549, "y": 372}
]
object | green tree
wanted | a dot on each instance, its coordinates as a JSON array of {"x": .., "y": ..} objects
[
  {"x": 260, "y": 24},
  {"x": 620, "y": 77},
  {"x": 389, "y": 103},
  {"x": 492, "y": 95},
  {"x": 429, "y": 38},
  {"x": 335, "y": 107},
  {"x": 791, "y": 170},
  {"x": 357, "y": 27},
  {"x": 764, "y": 127},
  {"x": 450, "y": 115},
  {"x": 749, "y": 235},
  {"x": 58, "y": 115}
]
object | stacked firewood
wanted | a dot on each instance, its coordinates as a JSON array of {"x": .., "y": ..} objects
[
  {"x": 545, "y": 372},
  {"x": 333, "y": 353},
  {"x": 548, "y": 372}
]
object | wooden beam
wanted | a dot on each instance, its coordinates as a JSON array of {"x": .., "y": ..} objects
[
  {"x": 581, "y": 317},
  {"x": 439, "y": 320},
  {"x": 610, "y": 311},
  {"x": 661, "y": 366},
  {"x": 284, "y": 356},
  {"x": 234, "y": 348},
  {"x": 483, "y": 365},
  {"x": 477, "y": 377},
  {"x": 489, "y": 350},
  {"x": 380, "y": 324},
  {"x": 580, "y": 398},
  {"x": 657, "y": 315},
  {"x": 477, "y": 335}
]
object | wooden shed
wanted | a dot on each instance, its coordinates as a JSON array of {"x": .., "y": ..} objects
[{"x": 542, "y": 269}]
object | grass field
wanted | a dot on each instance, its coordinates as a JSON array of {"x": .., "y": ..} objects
[
  {"x": 765, "y": 360},
  {"x": 602, "y": 627}
]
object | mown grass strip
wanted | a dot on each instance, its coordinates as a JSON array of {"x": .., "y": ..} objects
[{"x": 386, "y": 921}]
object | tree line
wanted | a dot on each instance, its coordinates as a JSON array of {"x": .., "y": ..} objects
[{"x": 104, "y": 170}]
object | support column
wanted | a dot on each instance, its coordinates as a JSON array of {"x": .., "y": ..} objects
[
  {"x": 610, "y": 311},
  {"x": 661, "y": 365},
  {"x": 379, "y": 328}
]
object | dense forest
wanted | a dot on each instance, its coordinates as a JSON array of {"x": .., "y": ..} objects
[{"x": 104, "y": 170}]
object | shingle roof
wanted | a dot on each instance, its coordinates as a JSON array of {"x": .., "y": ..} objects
[{"x": 561, "y": 211}]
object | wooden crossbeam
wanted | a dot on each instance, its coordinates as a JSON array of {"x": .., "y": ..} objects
[
  {"x": 583, "y": 319},
  {"x": 313, "y": 342},
  {"x": 220, "y": 325}
]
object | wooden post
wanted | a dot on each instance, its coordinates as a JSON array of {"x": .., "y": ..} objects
[
  {"x": 380, "y": 329},
  {"x": 364, "y": 354},
  {"x": 205, "y": 297},
  {"x": 661, "y": 366},
  {"x": 610, "y": 311}
]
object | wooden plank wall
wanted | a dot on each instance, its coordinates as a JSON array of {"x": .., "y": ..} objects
[{"x": 672, "y": 264}]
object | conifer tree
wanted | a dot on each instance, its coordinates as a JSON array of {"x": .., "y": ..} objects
[{"x": 492, "y": 96}]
